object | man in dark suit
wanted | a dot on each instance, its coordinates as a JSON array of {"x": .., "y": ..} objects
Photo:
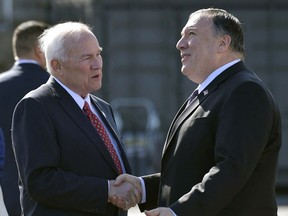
[
  {"x": 2, "y": 154},
  {"x": 27, "y": 73},
  {"x": 66, "y": 143},
  {"x": 3, "y": 211},
  {"x": 220, "y": 154}
]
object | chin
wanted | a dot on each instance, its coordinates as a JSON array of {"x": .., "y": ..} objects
[
  {"x": 97, "y": 88},
  {"x": 184, "y": 71}
]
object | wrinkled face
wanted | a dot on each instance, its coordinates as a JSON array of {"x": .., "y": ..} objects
[
  {"x": 82, "y": 72},
  {"x": 198, "y": 48}
]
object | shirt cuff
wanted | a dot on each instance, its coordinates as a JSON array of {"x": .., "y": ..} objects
[
  {"x": 173, "y": 212},
  {"x": 143, "y": 200}
]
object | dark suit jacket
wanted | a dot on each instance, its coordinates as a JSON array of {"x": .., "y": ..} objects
[
  {"x": 220, "y": 154},
  {"x": 63, "y": 162},
  {"x": 14, "y": 84},
  {"x": 2, "y": 154}
]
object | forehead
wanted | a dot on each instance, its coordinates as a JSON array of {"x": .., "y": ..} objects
[
  {"x": 85, "y": 43},
  {"x": 197, "y": 22},
  {"x": 87, "y": 38}
]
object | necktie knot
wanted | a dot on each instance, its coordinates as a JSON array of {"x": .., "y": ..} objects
[
  {"x": 192, "y": 97},
  {"x": 88, "y": 112},
  {"x": 86, "y": 107},
  {"x": 194, "y": 94}
]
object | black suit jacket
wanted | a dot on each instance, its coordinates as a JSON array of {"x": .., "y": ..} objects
[
  {"x": 14, "y": 84},
  {"x": 220, "y": 154},
  {"x": 63, "y": 162},
  {"x": 2, "y": 152}
]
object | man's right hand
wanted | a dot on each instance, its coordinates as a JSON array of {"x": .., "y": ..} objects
[
  {"x": 135, "y": 181},
  {"x": 124, "y": 194}
]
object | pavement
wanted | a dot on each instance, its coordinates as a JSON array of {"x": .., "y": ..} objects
[
  {"x": 282, "y": 211},
  {"x": 282, "y": 201}
]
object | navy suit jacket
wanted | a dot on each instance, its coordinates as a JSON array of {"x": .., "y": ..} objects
[
  {"x": 2, "y": 154},
  {"x": 220, "y": 154},
  {"x": 14, "y": 84},
  {"x": 64, "y": 165}
]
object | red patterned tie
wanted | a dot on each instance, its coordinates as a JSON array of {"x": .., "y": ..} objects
[{"x": 102, "y": 132}]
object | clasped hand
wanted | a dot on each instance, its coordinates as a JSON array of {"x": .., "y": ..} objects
[{"x": 125, "y": 192}]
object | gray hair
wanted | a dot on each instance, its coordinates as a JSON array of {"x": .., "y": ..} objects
[{"x": 54, "y": 42}]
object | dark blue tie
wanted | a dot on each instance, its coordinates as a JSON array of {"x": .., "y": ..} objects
[{"x": 192, "y": 97}]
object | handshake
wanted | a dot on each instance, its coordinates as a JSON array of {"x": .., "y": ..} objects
[{"x": 125, "y": 192}]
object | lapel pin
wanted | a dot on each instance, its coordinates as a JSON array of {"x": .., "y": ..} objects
[{"x": 205, "y": 92}]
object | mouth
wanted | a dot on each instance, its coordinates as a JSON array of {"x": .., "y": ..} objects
[
  {"x": 184, "y": 57},
  {"x": 97, "y": 76}
]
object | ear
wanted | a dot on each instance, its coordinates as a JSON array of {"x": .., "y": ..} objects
[
  {"x": 56, "y": 66},
  {"x": 37, "y": 50},
  {"x": 224, "y": 43},
  {"x": 38, "y": 54}
]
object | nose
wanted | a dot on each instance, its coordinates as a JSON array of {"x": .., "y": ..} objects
[
  {"x": 97, "y": 63},
  {"x": 180, "y": 44}
]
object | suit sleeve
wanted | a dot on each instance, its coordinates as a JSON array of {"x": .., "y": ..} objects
[
  {"x": 38, "y": 154},
  {"x": 152, "y": 190},
  {"x": 244, "y": 124}
]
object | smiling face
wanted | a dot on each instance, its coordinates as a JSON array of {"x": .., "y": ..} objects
[
  {"x": 198, "y": 47},
  {"x": 82, "y": 70}
]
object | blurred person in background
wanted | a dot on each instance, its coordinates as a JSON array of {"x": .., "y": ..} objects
[
  {"x": 27, "y": 73},
  {"x": 3, "y": 211},
  {"x": 2, "y": 154},
  {"x": 221, "y": 151},
  {"x": 67, "y": 146}
]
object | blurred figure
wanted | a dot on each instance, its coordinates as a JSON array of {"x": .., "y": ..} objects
[
  {"x": 220, "y": 154},
  {"x": 27, "y": 73},
  {"x": 66, "y": 143},
  {"x": 3, "y": 211},
  {"x": 2, "y": 154}
]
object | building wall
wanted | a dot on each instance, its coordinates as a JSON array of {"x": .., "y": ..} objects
[{"x": 141, "y": 61}]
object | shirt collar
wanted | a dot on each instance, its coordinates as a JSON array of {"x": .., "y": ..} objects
[
  {"x": 26, "y": 61},
  {"x": 214, "y": 74},
  {"x": 77, "y": 98}
]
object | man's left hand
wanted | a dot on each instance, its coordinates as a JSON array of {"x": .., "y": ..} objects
[{"x": 159, "y": 212}]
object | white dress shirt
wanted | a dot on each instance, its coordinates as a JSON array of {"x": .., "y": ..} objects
[
  {"x": 80, "y": 101},
  {"x": 214, "y": 74},
  {"x": 26, "y": 61}
]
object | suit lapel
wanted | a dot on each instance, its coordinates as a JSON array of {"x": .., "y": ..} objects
[
  {"x": 109, "y": 123},
  {"x": 71, "y": 108},
  {"x": 172, "y": 128},
  {"x": 183, "y": 113},
  {"x": 181, "y": 116}
]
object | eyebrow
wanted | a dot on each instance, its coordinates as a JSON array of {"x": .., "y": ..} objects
[
  {"x": 191, "y": 28},
  {"x": 188, "y": 29},
  {"x": 88, "y": 54}
]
